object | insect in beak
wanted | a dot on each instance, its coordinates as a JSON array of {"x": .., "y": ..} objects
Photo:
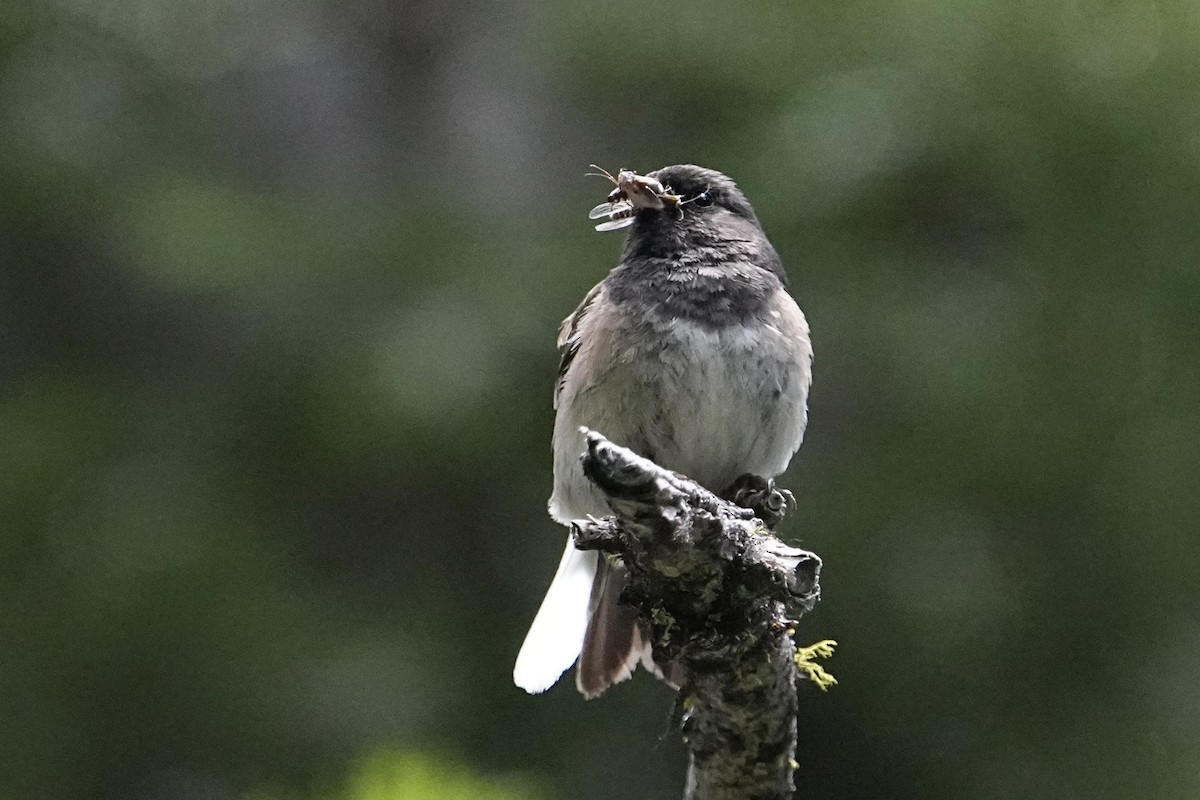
[{"x": 633, "y": 193}]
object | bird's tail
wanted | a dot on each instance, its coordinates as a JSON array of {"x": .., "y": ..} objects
[
  {"x": 613, "y": 645},
  {"x": 555, "y": 639}
]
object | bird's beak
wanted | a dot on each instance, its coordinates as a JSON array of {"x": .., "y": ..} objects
[{"x": 634, "y": 193}]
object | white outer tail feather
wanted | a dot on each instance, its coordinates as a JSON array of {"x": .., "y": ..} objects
[{"x": 556, "y": 636}]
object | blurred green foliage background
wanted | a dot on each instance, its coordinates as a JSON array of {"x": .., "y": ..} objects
[{"x": 278, "y": 298}]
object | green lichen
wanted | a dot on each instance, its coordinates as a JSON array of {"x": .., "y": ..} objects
[{"x": 805, "y": 661}]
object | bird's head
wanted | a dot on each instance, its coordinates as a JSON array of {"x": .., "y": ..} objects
[
  {"x": 685, "y": 220},
  {"x": 678, "y": 198}
]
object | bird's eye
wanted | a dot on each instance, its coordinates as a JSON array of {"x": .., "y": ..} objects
[{"x": 704, "y": 199}]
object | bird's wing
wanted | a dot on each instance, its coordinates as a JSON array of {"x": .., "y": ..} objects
[{"x": 569, "y": 338}]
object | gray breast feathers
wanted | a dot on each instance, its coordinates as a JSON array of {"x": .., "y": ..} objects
[{"x": 712, "y": 402}]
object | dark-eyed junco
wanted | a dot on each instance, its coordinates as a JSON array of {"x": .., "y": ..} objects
[{"x": 692, "y": 353}]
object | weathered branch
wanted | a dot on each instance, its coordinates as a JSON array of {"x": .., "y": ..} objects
[{"x": 715, "y": 594}]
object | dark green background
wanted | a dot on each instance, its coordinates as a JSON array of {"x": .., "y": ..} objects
[{"x": 278, "y": 294}]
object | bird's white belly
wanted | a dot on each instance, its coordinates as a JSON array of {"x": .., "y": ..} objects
[{"x": 709, "y": 403}]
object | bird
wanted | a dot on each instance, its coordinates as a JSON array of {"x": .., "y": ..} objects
[{"x": 692, "y": 353}]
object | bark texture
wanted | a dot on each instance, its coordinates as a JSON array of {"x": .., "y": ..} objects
[{"x": 717, "y": 595}]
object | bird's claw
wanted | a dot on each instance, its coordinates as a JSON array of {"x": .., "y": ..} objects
[{"x": 768, "y": 502}]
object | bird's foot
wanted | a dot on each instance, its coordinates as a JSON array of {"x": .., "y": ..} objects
[{"x": 768, "y": 502}]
